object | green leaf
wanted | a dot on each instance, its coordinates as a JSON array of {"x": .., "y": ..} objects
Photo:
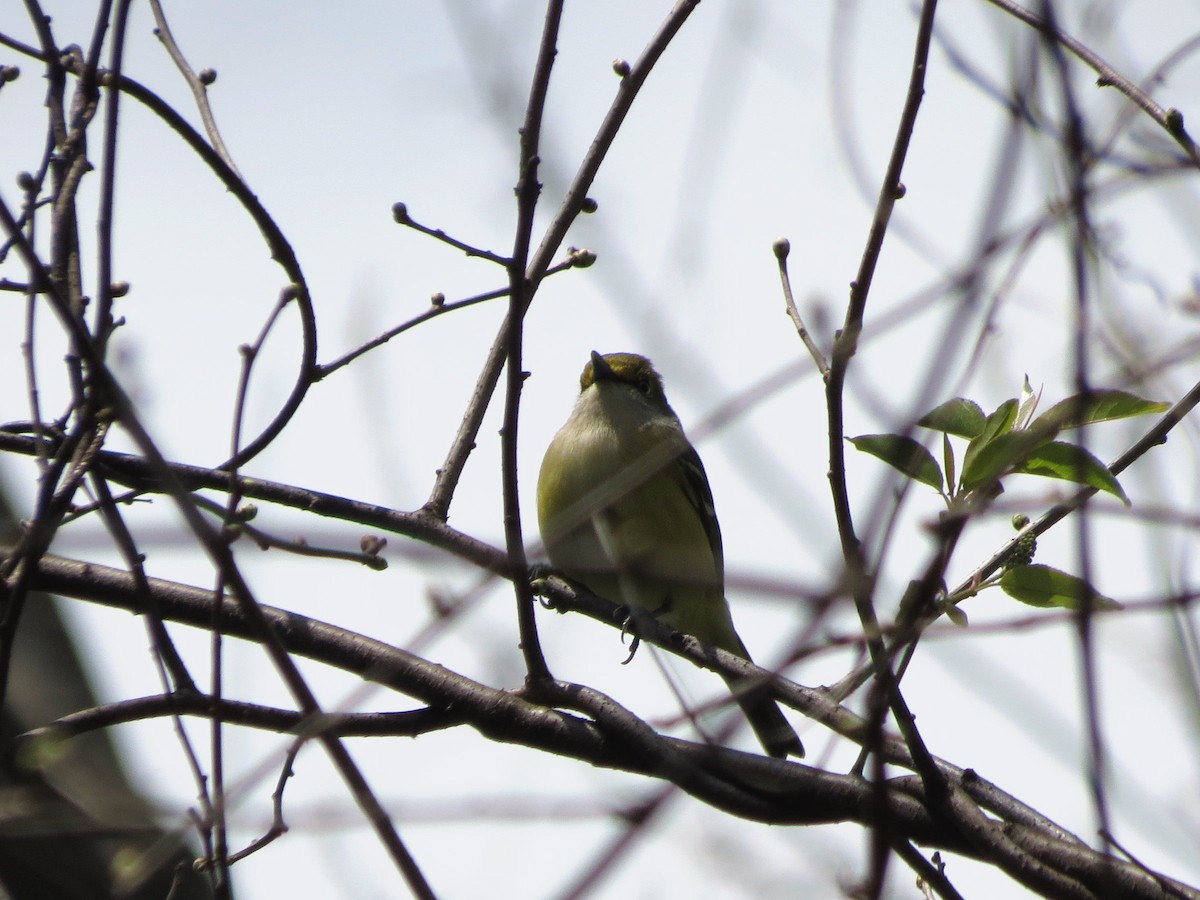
[
  {"x": 1058, "y": 459},
  {"x": 902, "y": 453},
  {"x": 999, "y": 456},
  {"x": 948, "y": 460},
  {"x": 955, "y": 615},
  {"x": 1097, "y": 406},
  {"x": 1001, "y": 420},
  {"x": 958, "y": 416},
  {"x": 1029, "y": 404},
  {"x": 1047, "y": 588},
  {"x": 998, "y": 423}
]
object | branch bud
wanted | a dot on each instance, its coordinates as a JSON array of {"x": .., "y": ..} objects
[{"x": 581, "y": 258}]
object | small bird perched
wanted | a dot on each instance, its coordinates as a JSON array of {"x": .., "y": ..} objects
[{"x": 625, "y": 510}]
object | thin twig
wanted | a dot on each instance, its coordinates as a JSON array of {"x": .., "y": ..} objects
[
  {"x": 278, "y": 826},
  {"x": 521, "y": 292},
  {"x": 103, "y": 325},
  {"x": 632, "y": 80},
  {"x": 439, "y": 307},
  {"x": 572, "y": 203},
  {"x": 934, "y": 876},
  {"x": 782, "y": 248},
  {"x": 197, "y": 84},
  {"x": 886, "y": 691},
  {"x": 1171, "y": 120},
  {"x": 401, "y": 216},
  {"x": 1079, "y": 235},
  {"x": 222, "y": 558}
]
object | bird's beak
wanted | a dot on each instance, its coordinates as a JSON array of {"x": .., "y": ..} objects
[{"x": 601, "y": 370}]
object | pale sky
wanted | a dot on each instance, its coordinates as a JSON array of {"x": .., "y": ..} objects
[{"x": 763, "y": 120}]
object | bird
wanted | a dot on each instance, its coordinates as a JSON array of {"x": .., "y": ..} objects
[{"x": 625, "y": 510}]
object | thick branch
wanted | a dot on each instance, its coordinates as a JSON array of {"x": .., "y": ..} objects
[{"x": 753, "y": 786}]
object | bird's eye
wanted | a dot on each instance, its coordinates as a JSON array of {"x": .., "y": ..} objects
[{"x": 643, "y": 385}]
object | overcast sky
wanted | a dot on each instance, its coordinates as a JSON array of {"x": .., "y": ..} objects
[{"x": 763, "y": 120}]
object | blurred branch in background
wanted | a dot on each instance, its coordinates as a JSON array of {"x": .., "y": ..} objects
[{"x": 75, "y": 824}]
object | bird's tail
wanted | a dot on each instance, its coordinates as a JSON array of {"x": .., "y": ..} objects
[{"x": 778, "y": 738}]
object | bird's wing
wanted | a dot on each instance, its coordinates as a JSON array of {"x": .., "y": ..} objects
[{"x": 696, "y": 485}]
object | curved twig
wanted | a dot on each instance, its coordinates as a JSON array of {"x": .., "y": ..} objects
[
  {"x": 1171, "y": 120},
  {"x": 222, "y": 559},
  {"x": 281, "y": 252}
]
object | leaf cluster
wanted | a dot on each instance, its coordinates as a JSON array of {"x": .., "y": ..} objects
[{"x": 1011, "y": 441}]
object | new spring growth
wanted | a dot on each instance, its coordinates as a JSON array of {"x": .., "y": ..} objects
[
  {"x": 372, "y": 544},
  {"x": 1025, "y": 549},
  {"x": 580, "y": 258}
]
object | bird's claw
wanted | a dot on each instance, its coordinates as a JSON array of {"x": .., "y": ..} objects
[
  {"x": 633, "y": 647},
  {"x": 628, "y": 628}
]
